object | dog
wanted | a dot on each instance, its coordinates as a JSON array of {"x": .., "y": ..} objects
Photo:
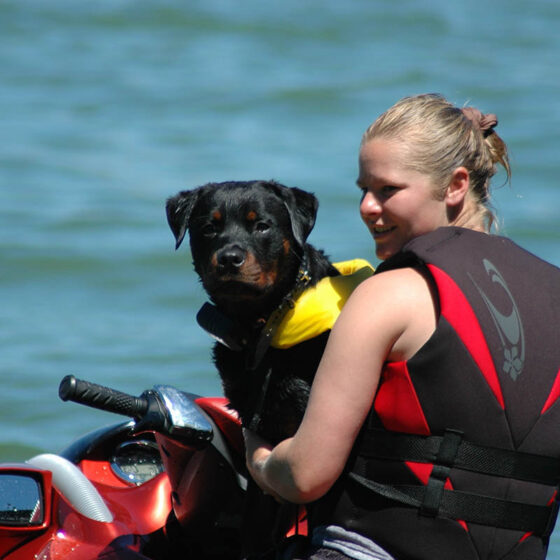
[{"x": 249, "y": 248}]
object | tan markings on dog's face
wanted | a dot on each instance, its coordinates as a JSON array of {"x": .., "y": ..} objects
[
  {"x": 217, "y": 216},
  {"x": 214, "y": 260},
  {"x": 268, "y": 278},
  {"x": 287, "y": 246},
  {"x": 251, "y": 216},
  {"x": 254, "y": 273}
]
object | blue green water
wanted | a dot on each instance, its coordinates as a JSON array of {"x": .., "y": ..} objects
[{"x": 108, "y": 107}]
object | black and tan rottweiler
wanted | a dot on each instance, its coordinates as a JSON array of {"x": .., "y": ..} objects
[{"x": 248, "y": 244}]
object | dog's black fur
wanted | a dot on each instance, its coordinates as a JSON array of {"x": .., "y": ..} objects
[{"x": 248, "y": 242}]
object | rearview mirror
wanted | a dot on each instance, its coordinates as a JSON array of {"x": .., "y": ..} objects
[{"x": 22, "y": 498}]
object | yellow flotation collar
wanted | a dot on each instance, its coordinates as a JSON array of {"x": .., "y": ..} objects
[{"x": 317, "y": 308}]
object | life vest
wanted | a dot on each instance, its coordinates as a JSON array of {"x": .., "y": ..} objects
[
  {"x": 316, "y": 309},
  {"x": 460, "y": 455}
]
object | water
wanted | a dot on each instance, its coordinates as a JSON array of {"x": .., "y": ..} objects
[{"x": 109, "y": 107}]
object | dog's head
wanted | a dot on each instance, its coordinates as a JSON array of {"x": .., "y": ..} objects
[{"x": 246, "y": 237}]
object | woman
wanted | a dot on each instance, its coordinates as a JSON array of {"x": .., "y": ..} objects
[{"x": 433, "y": 412}]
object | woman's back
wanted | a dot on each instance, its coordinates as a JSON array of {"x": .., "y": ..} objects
[{"x": 489, "y": 376}]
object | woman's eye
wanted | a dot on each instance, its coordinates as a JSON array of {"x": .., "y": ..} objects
[{"x": 389, "y": 189}]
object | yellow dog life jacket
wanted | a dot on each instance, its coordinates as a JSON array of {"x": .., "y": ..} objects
[{"x": 317, "y": 308}]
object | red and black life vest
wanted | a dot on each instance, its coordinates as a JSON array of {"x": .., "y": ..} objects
[{"x": 460, "y": 455}]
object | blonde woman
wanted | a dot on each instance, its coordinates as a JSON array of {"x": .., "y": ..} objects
[{"x": 432, "y": 431}]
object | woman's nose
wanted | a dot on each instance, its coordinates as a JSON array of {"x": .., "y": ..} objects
[{"x": 369, "y": 205}]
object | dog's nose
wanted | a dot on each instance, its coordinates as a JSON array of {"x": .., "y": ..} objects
[{"x": 231, "y": 257}]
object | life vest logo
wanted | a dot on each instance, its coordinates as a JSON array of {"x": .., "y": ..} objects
[{"x": 509, "y": 327}]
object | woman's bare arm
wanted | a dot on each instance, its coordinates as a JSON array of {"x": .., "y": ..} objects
[{"x": 388, "y": 317}]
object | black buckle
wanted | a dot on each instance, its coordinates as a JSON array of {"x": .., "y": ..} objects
[{"x": 445, "y": 459}]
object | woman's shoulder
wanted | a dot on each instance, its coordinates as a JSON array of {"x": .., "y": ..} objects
[
  {"x": 400, "y": 283},
  {"x": 391, "y": 300},
  {"x": 400, "y": 301}
]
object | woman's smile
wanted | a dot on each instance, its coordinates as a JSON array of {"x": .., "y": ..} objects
[{"x": 380, "y": 230}]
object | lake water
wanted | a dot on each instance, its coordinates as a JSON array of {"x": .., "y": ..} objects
[{"x": 109, "y": 107}]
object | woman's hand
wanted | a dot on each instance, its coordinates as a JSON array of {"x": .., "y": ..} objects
[{"x": 257, "y": 451}]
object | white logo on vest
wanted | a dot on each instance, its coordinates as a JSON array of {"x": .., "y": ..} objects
[{"x": 509, "y": 327}]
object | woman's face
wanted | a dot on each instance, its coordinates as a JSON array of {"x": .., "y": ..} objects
[{"x": 398, "y": 203}]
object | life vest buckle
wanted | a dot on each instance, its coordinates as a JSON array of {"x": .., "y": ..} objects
[{"x": 444, "y": 461}]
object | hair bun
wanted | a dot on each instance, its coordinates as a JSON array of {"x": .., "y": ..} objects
[{"x": 485, "y": 123}]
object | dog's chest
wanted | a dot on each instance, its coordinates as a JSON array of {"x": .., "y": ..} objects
[{"x": 277, "y": 390}]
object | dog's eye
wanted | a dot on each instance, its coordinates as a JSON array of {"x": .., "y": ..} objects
[
  {"x": 209, "y": 230},
  {"x": 261, "y": 227}
]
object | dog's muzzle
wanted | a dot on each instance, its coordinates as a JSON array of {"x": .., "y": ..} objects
[{"x": 230, "y": 259}]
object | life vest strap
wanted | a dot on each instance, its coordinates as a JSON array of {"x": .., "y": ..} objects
[
  {"x": 452, "y": 451},
  {"x": 473, "y": 508},
  {"x": 382, "y": 444}
]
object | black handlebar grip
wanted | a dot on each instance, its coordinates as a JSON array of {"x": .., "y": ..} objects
[{"x": 103, "y": 398}]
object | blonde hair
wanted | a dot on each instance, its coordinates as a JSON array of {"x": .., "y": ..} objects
[{"x": 440, "y": 137}]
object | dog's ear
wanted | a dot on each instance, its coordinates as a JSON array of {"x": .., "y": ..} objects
[
  {"x": 302, "y": 207},
  {"x": 178, "y": 209}
]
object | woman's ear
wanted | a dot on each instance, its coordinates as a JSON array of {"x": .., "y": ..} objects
[{"x": 458, "y": 187}]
